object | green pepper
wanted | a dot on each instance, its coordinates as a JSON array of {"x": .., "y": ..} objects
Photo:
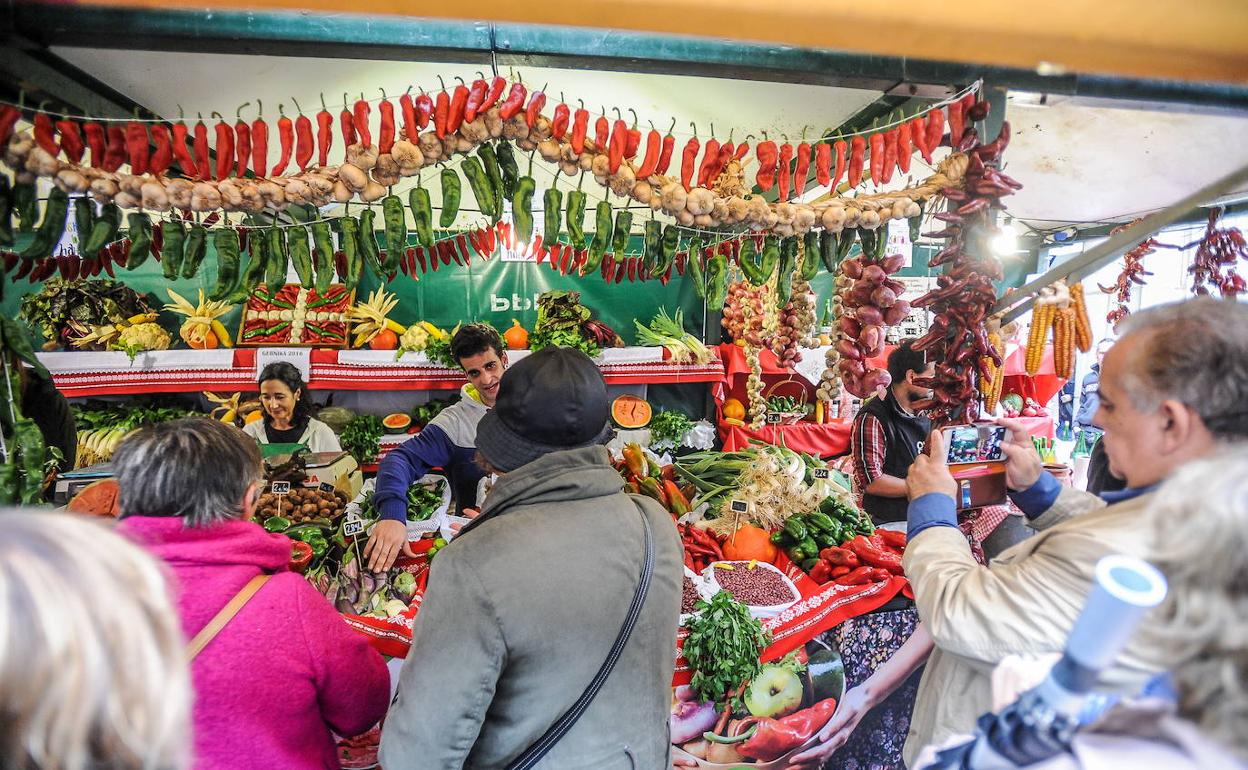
[
  {"x": 788, "y": 263},
  {"x": 104, "y": 229},
  {"x": 716, "y": 282},
  {"x": 323, "y": 241},
  {"x": 196, "y": 248},
  {"x": 650, "y": 245},
  {"x": 139, "y": 229},
  {"x": 26, "y": 205},
  {"x": 602, "y": 238},
  {"x": 507, "y": 165},
  {"x": 226, "y": 242},
  {"x": 914, "y": 223},
  {"x": 395, "y": 218},
  {"x": 55, "y": 214},
  {"x": 810, "y": 256},
  {"x": 258, "y": 259},
  {"x": 451, "y": 193},
  {"x": 693, "y": 266},
  {"x": 820, "y": 520},
  {"x": 368, "y": 242},
  {"x": 796, "y": 529},
  {"x": 781, "y": 538},
  {"x": 522, "y": 209},
  {"x": 619, "y": 236},
  {"x": 422, "y": 212},
  {"x": 827, "y": 250},
  {"x": 552, "y": 211},
  {"x": 172, "y": 246},
  {"x": 84, "y": 218},
  {"x": 276, "y": 524},
  {"x": 275, "y": 269},
  {"x": 6, "y": 212},
  {"x": 576, "y": 219},
  {"x": 481, "y": 187},
  {"x": 867, "y": 238},
  {"x": 667, "y": 249},
  {"x": 845, "y": 243},
  {"x": 300, "y": 255},
  {"x": 349, "y": 242},
  {"x": 809, "y": 545},
  {"x": 489, "y": 164}
]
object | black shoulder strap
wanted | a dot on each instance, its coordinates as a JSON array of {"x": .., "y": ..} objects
[{"x": 534, "y": 753}]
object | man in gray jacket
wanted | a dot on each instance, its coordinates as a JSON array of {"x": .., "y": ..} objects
[{"x": 524, "y": 605}]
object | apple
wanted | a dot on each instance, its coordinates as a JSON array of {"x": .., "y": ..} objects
[{"x": 776, "y": 692}]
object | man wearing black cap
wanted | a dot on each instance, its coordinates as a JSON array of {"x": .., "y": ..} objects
[{"x": 526, "y": 603}]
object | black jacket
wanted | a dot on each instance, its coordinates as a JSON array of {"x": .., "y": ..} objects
[
  {"x": 44, "y": 404},
  {"x": 904, "y": 435}
]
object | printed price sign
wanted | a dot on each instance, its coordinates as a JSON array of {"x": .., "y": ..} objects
[
  {"x": 740, "y": 506},
  {"x": 280, "y": 488},
  {"x": 774, "y": 419},
  {"x": 822, "y": 473},
  {"x": 353, "y": 525},
  {"x": 327, "y": 487}
]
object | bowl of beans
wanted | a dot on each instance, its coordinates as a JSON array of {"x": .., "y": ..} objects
[
  {"x": 758, "y": 585},
  {"x": 694, "y": 590}
]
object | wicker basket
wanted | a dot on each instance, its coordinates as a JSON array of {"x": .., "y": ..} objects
[{"x": 786, "y": 418}]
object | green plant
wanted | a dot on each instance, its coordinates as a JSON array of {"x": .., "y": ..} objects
[
  {"x": 362, "y": 438},
  {"x": 723, "y": 646}
]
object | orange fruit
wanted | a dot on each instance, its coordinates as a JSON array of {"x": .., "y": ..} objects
[
  {"x": 253, "y": 416},
  {"x": 750, "y": 543},
  {"x": 385, "y": 340},
  {"x": 734, "y": 409}
]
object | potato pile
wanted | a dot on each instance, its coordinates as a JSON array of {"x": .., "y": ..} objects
[{"x": 303, "y": 504}]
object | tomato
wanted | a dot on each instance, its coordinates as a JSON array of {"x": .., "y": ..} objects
[{"x": 385, "y": 340}]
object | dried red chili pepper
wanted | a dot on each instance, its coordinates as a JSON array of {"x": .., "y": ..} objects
[
  {"x": 286, "y": 135},
  {"x": 767, "y": 159},
  {"x": 802, "y": 170},
  {"x": 385, "y": 137},
  {"x": 602, "y": 128},
  {"x": 360, "y": 115},
  {"x": 689, "y": 160},
  {"x": 476, "y": 98},
  {"x": 242, "y": 147},
  {"x": 346, "y": 126},
  {"x": 918, "y": 137},
  {"x": 441, "y": 114},
  {"x": 181, "y": 153},
  {"x": 580, "y": 125},
  {"x": 305, "y": 147},
  {"x": 115, "y": 151},
  {"x": 45, "y": 134},
  {"x": 957, "y": 122},
  {"x": 877, "y": 157},
  {"x": 424, "y": 112},
  {"x": 225, "y": 147},
  {"x": 495, "y": 93},
  {"x": 857, "y": 156},
  {"x": 741, "y": 151},
  {"x": 665, "y": 155},
  {"x": 890, "y": 156},
  {"x": 8, "y": 119},
  {"x": 934, "y": 130},
  {"x": 618, "y": 141},
  {"x": 94, "y": 133},
  {"x": 260, "y": 145},
  {"x": 71, "y": 139},
  {"x": 408, "y": 108},
  {"x": 455, "y": 113},
  {"x": 138, "y": 147},
  {"x": 534, "y": 110},
  {"x": 904, "y": 148},
  {"x": 515, "y": 101},
  {"x": 161, "y": 158},
  {"x": 709, "y": 156},
  {"x": 653, "y": 142},
  {"x": 725, "y": 155},
  {"x": 823, "y": 164},
  {"x": 785, "y": 176},
  {"x": 464, "y": 257}
]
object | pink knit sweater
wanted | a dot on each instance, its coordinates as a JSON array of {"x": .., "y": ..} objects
[{"x": 284, "y": 671}]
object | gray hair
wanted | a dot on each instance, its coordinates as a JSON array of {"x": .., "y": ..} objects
[
  {"x": 1199, "y": 518},
  {"x": 195, "y": 468},
  {"x": 1195, "y": 352},
  {"x": 91, "y": 652}
]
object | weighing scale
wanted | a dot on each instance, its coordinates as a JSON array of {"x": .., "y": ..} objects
[{"x": 336, "y": 468}]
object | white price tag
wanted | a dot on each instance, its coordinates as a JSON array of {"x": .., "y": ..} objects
[
  {"x": 353, "y": 525},
  {"x": 300, "y": 358},
  {"x": 280, "y": 487}
]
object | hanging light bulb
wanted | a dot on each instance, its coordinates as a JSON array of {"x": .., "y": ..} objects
[{"x": 1005, "y": 242}]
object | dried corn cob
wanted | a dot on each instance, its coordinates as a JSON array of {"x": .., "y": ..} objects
[
  {"x": 1064, "y": 343},
  {"x": 1083, "y": 327},
  {"x": 1041, "y": 320},
  {"x": 994, "y": 376}
]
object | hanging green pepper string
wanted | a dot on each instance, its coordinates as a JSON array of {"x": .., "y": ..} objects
[
  {"x": 810, "y": 258},
  {"x": 651, "y": 245},
  {"x": 522, "y": 209},
  {"x": 481, "y": 187},
  {"x": 323, "y": 242},
  {"x": 770, "y": 258},
  {"x": 395, "y": 219},
  {"x": 26, "y": 205},
  {"x": 55, "y": 214},
  {"x": 275, "y": 269},
  {"x": 602, "y": 238},
  {"x": 510, "y": 170},
  {"x": 422, "y": 211},
  {"x": 196, "y": 248},
  {"x": 172, "y": 247},
  {"x": 368, "y": 242},
  {"x": 6, "y": 212},
  {"x": 576, "y": 219},
  {"x": 225, "y": 240},
  {"x": 667, "y": 249},
  {"x": 489, "y": 164},
  {"x": 747, "y": 260},
  {"x": 620, "y": 235},
  {"x": 788, "y": 263},
  {"x": 104, "y": 229},
  {"x": 349, "y": 242},
  {"x": 693, "y": 266},
  {"x": 258, "y": 261},
  {"x": 845, "y": 243},
  {"x": 300, "y": 255},
  {"x": 827, "y": 251},
  {"x": 84, "y": 219},
  {"x": 881, "y": 244},
  {"x": 552, "y": 211},
  {"x": 866, "y": 238},
  {"x": 139, "y": 230},
  {"x": 451, "y": 194},
  {"x": 716, "y": 282}
]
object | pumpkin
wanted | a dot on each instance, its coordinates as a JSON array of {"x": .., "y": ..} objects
[
  {"x": 516, "y": 336},
  {"x": 734, "y": 409},
  {"x": 750, "y": 543},
  {"x": 99, "y": 498}
]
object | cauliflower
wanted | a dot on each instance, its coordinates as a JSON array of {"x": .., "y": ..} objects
[
  {"x": 415, "y": 338},
  {"x": 140, "y": 337}
]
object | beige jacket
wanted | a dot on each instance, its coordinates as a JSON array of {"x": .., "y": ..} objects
[{"x": 1025, "y": 603}]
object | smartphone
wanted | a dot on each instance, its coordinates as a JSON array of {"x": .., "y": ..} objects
[{"x": 973, "y": 443}]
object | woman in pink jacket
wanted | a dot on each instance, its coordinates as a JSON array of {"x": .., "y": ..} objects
[{"x": 285, "y": 670}]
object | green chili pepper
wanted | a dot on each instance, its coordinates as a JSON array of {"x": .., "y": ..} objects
[
  {"x": 915, "y": 222},
  {"x": 827, "y": 251},
  {"x": 349, "y": 242},
  {"x": 55, "y": 213},
  {"x": 651, "y": 237},
  {"x": 867, "y": 239},
  {"x": 422, "y": 212},
  {"x": 395, "y": 218},
  {"x": 368, "y": 243},
  {"x": 481, "y": 187},
  {"x": 26, "y": 205},
  {"x": 104, "y": 229},
  {"x": 619, "y": 236},
  {"x": 196, "y": 248},
  {"x": 226, "y": 242},
  {"x": 747, "y": 260},
  {"x": 552, "y": 211},
  {"x": 693, "y": 266},
  {"x": 328, "y": 299},
  {"x": 258, "y": 259},
  {"x": 522, "y": 209},
  {"x": 451, "y": 193},
  {"x": 6, "y": 212},
  {"x": 300, "y": 255},
  {"x": 881, "y": 243},
  {"x": 139, "y": 230},
  {"x": 489, "y": 164},
  {"x": 323, "y": 333},
  {"x": 845, "y": 243},
  {"x": 84, "y": 219},
  {"x": 507, "y": 165},
  {"x": 788, "y": 262},
  {"x": 716, "y": 282},
  {"x": 576, "y": 219},
  {"x": 667, "y": 250},
  {"x": 172, "y": 247},
  {"x": 810, "y": 256},
  {"x": 323, "y": 241},
  {"x": 602, "y": 238},
  {"x": 275, "y": 269}
]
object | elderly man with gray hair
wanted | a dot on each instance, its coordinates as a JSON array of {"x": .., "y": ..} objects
[{"x": 1174, "y": 389}]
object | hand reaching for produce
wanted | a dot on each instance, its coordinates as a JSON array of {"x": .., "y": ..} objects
[
  {"x": 853, "y": 707},
  {"x": 929, "y": 473},
  {"x": 387, "y": 541},
  {"x": 1023, "y": 465}
]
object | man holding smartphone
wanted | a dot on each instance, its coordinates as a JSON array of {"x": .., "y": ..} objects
[{"x": 888, "y": 434}]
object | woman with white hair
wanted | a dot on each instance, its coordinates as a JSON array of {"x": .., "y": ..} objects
[{"x": 92, "y": 662}]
